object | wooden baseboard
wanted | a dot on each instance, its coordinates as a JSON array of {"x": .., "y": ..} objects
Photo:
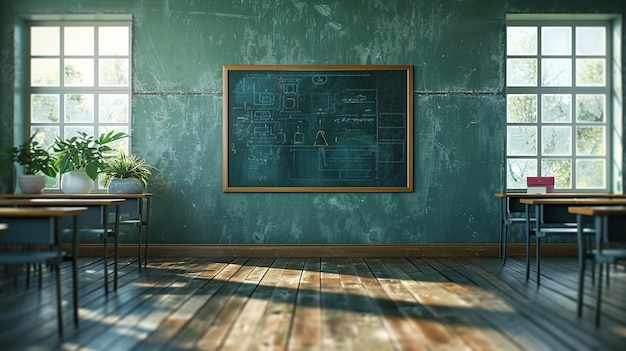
[{"x": 319, "y": 250}]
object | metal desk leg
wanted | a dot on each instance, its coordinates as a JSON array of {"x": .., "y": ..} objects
[
  {"x": 75, "y": 267},
  {"x": 527, "y": 241},
  {"x": 116, "y": 245},
  {"x": 148, "y": 200}
]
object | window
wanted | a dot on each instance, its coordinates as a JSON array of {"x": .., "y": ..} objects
[
  {"x": 558, "y": 100},
  {"x": 78, "y": 79}
]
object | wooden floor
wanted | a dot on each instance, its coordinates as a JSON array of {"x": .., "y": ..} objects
[{"x": 316, "y": 304}]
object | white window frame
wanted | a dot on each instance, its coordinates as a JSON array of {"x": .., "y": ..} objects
[
  {"x": 612, "y": 122},
  {"x": 97, "y": 126}
]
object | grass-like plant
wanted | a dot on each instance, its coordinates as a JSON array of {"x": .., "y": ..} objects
[{"x": 126, "y": 166}]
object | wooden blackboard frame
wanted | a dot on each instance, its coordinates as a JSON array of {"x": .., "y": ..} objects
[{"x": 251, "y": 118}]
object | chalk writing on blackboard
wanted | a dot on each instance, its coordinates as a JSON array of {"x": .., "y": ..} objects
[{"x": 318, "y": 128}]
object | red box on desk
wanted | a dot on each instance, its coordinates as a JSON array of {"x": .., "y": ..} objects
[{"x": 540, "y": 185}]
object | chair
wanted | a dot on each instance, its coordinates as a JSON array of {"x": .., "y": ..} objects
[
  {"x": 39, "y": 247},
  {"x": 96, "y": 224},
  {"x": 512, "y": 213},
  {"x": 609, "y": 248},
  {"x": 552, "y": 220},
  {"x": 134, "y": 212}
]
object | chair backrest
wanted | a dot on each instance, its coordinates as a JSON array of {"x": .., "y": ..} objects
[
  {"x": 129, "y": 209},
  {"x": 515, "y": 206},
  {"x": 617, "y": 229},
  {"x": 557, "y": 214},
  {"x": 34, "y": 231},
  {"x": 93, "y": 217}
]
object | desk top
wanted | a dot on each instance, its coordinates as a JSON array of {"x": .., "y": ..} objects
[
  {"x": 570, "y": 201},
  {"x": 77, "y": 196},
  {"x": 560, "y": 195},
  {"x": 42, "y": 211},
  {"x": 60, "y": 202},
  {"x": 599, "y": 210}
]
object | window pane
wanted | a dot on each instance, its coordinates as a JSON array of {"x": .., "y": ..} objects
[
  {"x": 521, "y": 141},
  {"x": 521, "y": 108},
  {"x": 556, "y": 40},
  {"x": 590, "y": 174},
  {"x": 556, "y": 108},
  {"x": 113, "y": 108},
  {"x": 556, "y": 72},
  {"x": 71, "y": 65},
  {"x": 72, "y": 131},
  {"x": 44, "y": 72},
  {"x": 118, "y": 145},
  {"x": 521, "y": 72},
  {"x": 521, "y": 40},
  {"x": 560, "y": 169},
  {"x": 45, "y": 135},
  {"x": 590, "y": 108},
  {"x": 556, "y": 141},
  {"x": 78, "y": 41},
  {"x": 590, "y": 72},
  {"x": 590, "y": 141},
  {"x": 113, "y": 41},
  {"x": 44, "y": 108},
  {"x": 79, "y": 72},
  {"x": 45, "y": 41},
  {"x": 518, "y": 170},
  {"x": 558, "y": 112},
  {"x": 79, "y": 108},
  {"x": 113, "y": 72},
  {"x": 590, "y": 41}
]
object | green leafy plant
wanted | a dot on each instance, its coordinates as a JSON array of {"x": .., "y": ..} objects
[
  {"x": 31, "y": 155},
  {"x": 126, "y": 166},
  {"x": 84, "y": 152}
]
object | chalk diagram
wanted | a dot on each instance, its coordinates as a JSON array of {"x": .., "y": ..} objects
[{"x": 313, "y": 129}]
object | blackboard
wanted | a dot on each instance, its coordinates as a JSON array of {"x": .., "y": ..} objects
[{"x": 318, "y": 128}]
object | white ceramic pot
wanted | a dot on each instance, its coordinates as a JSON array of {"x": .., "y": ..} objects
[
  {"x": 76, "y": 182},
  {"x": 32, "y": 184},
  {"x": 125, "y": 186}
]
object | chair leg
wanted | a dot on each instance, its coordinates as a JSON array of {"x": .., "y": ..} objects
[
  {"x": 27, "y": 275},
  {"x": 538, "y": 258},
  {"x": 505, "y": 241},
  {"x": 140, "y": 234},
  {"x": 106, "y": 264},
  {"x": 599, "y": 297},
  {"x": 527, "y": 255},
  {"x": 59, "y": 303},
  {"x": 40, "y": 275},
  {"x": 581, "y": 285}
]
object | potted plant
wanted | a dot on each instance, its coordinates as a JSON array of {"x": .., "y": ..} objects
[
  {"x": 36, "y": 161},
  {"x": 81, "y": 158},
  {"x": 126, "y": 174}
]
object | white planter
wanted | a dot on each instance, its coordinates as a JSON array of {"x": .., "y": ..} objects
[
  {"x": 76, "y": 182},
  {"x": 31, "y": 184},
  {"x": 125, "y": 186}
]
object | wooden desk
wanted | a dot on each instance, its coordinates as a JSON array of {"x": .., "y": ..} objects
[
  {"x": 136, "y": 205},
  {"x": 607, "y": 219},
  {"x": 512, "y": 211},
  {"x": 44, "y": 221},
  {"x": 554, "y": 212},
  {"x": 97, "y": 215}
]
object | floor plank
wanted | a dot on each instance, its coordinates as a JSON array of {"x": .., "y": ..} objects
[{"x": 351, "y": 303}]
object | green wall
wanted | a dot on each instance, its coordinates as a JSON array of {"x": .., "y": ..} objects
[{"x": 457, "y": 48}]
